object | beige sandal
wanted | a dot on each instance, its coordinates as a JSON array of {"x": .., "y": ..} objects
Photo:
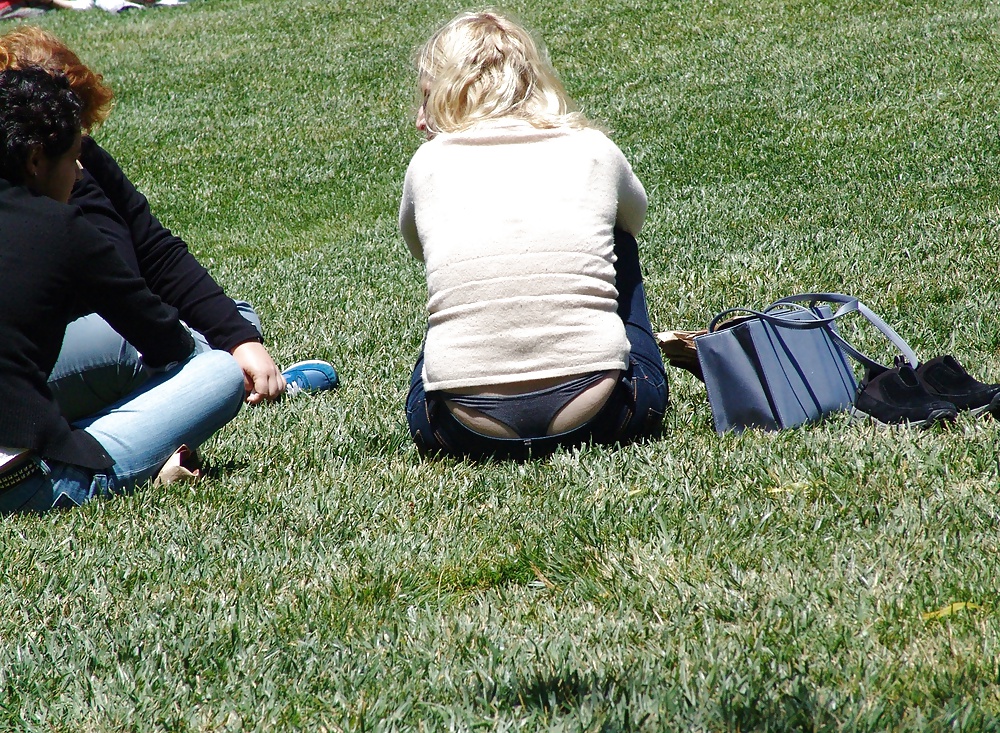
[{"x": 183, "y": 465}]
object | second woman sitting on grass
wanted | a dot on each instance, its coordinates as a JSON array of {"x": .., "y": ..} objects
[
  {"x": 96, "y": 366},
  {"x": 525, "y": 217}
]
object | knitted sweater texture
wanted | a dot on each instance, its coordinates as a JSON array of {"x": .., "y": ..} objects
[{"x": 515, "y": 227}]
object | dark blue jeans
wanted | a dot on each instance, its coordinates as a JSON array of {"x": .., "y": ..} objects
[{"x": 634, "y": 409}]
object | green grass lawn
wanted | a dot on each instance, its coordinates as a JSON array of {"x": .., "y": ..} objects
[{"x": 325, "y": 577}]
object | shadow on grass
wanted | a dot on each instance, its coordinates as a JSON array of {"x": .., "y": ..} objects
[
  {"x": 597, "y": 702},
  {"x": 216, "y": 469},
  {"x": 797, "y": 709},
  {"x": 519, "y": 451},
  {"x": 612, "y": 703}
]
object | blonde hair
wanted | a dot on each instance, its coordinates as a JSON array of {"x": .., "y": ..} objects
[
  {"x": 31, "y": 46},
  {"x": 483, "y": 66}
]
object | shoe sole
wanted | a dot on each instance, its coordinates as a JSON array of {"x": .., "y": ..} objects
[
  {"x": 937, "y": 416},
  {"x": 992, "y": 409}
]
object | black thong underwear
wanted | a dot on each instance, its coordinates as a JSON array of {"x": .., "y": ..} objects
[{"x": 529, "y": 414}]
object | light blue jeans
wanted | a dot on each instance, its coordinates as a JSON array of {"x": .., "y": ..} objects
[
  {"x": 183, "y": 406},
  {"x": 97, "y": 367}
]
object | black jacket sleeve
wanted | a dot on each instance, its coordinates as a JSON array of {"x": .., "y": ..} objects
[
  {"x": 113, "y": 204},
  {"x": 107, "y": 286}
]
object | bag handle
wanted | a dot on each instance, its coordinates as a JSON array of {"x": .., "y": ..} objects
[
  {"x": 816, "y": 322},
  {"x": 851, "y": 304},
  {"x": 848, "y": 304}
]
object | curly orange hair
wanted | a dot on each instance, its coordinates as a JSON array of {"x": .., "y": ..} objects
[{"x": 31, "y": 46}]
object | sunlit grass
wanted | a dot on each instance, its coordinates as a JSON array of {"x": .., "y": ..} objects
[{"x": 325, "y": 577}]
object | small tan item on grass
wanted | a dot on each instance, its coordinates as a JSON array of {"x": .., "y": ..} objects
[
  {"x": 183, "y": 465},
  {"x": 679, "y": 350}
]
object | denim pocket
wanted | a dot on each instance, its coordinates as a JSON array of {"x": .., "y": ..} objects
[
  {"x": 65, "y": 501},
  {"x": 62, "y": 486},
  {"x": 73, "y": 486},
  {"x": 647, "y": 395}
]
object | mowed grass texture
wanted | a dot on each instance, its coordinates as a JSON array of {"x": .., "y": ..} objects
[{"x": 326, "y": 577}]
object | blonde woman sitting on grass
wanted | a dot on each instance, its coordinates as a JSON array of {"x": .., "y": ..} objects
[{"x": 525, "y": 217}]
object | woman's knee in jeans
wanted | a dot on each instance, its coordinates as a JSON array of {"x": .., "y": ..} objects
[
  {"x": 184, "y": 406},
  {"x": 96, "y": 368},
  {"x": 225, "y": 381},
  {"x": 196, "y": 399},
  {"x": 245, "y": 310},
  {"x": 249, "y": 314}
]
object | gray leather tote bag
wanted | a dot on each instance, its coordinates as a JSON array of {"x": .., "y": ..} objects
[{"x": 785, "y": 365}]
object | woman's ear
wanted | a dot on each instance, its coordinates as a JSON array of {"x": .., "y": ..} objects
[{"x": 34, "y": 162}]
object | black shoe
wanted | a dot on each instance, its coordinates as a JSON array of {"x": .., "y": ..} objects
[
  {"x": 896, "y": 396},
  {"x": 943, "y": 377}
]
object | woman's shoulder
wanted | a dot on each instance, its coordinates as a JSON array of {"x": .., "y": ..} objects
[
  {"x": 19, "y": 205},
  {"x": 96, "y": 159},
  {"x": 515, "y": 134},
  {"x": 601, "y": 146},
  {"x": 582, "y": 136},
  {"x": 58, "y": 230},
  {"x": 597, "y": 138}
]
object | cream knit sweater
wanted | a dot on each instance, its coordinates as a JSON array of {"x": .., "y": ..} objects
[{"x": 514, "y": 225}]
